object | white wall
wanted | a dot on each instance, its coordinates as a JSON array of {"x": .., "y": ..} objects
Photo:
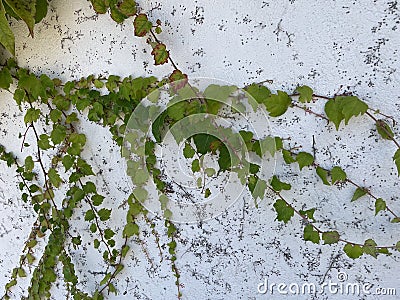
[{"x": 324, "y": 44}]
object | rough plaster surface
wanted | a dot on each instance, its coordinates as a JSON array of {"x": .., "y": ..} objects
[{"x": 330, "y": 45}]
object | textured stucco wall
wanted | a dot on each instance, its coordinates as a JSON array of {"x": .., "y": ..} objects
[{"x": 329, "y": 45}]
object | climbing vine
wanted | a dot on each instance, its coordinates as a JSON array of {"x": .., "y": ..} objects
[{"x": 57, "y": 180}]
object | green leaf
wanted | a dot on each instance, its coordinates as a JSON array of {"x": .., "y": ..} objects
[
  {"x": 188, "y": 151},
  {"x": 98, "y": 83},
  {"x": 89, "y": 215},
  {"x": 207, "y": 193},
  {"x": 21, "y": 272},
  {"x": 30, "y": 258},
  {"x": 117, "y": 15},
  {"x": 384, "y": 130},
  {"x": 29, "y": 164},
  {"x": 128, "y": 7},
  {"x": 158, "y": 30},
  {"x": 142, "y": 25},
  {"x": 278, "y": 185},
  {"x": 67, "y": 162},
  {"x": 258, "y": 191},
  {"x": 259, "y": 92},
  {"x": 380, "y": 204},
  {"x": 54, "y": 178},
  {"x": 309, "y": 213},
  {"x": 76, "y": 240},
  {"x": 78, "y": 138},
  {"x": 62, "y": 103},
  {"x": 177, "y": 79},
  {"x": 31, "y": 84},
  {"x": 323, "y": 174},
  {"x": 7, "y": 38},
  {"x": 99, "y": 6},
  {"x": 58, "y": 134},
  {"x": 195, "y": 165},
  {"x": 124, "y": 250},
  {"x": 219, "y": 92},
  {"x": 44, "y": 142},
  {"x": 343, "y": 108},
  {"x": 395, "y": 220},
  {"x": 254, "y": 168},
  {"x": 396, "y": 159},
  {"x": 224, "y": 159},
  {"x": 304, "y": 159},
  {"x": 93, "y": 228},
  {"x": 277, "y": 104},
  {"x": 97, "y": 199},
  {"x": 305, "y": 93},
  {"x": 96, "y": 112},
  {"x": 251, "y": 182},
  {"x": 398, "y": 246},
  {"x": 330, "y": 237},
  {"x": 26, "y": 10},
  {"x": 55, "y": 115},
  {"x": 108, "y": 233},
  {"x": 31, "y": 115},
  {"x": 131, "y": 229},
  {"x": 160, "y": 54},
  {"x": 359, "y": 193},
  {"x": 333, "y": 110},
  {"x": 177, "y": 110},
  {"x": 199, "y": 182},
  {"x": 19, "y": 96},
  {"x": 203, "y": 142},
  {"x": 311, "y": 235},
  {"x": 84, "y": 167},
  {"x": 105, "y": 279},
  {"x": 352, "y": 106},
  {"x": 104, "y": 214},
  {"x": 370, "y": 248},
  {"x": 337, "y": 174},
  {"x": 284, "y": 211},
  {"x": 10, "y": 284},
  {"x": 41, "y": 10},
  {"x": 210, "y": 172},
  {"x": 213, "y": 106},
  {"x": 5, "y": 75},
  {"x": 287, "y": 156},
  {"x": 267, "y": 144},
  {"x": 72, "y": 117},
  {"x": 89, "y": 188},
  {"x": 31, "y": 244},
  {"x": 353, "y": 251}
]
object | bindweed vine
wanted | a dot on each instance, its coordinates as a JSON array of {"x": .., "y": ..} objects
[{"x": 205, "y": 121}]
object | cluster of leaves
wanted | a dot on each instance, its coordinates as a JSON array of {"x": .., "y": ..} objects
[
  {"x": 48, "y": 101},
  {"x": 276, "y": 104}
]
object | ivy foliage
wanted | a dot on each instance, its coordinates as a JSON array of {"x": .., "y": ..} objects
[{"x": 58, "y": 161}]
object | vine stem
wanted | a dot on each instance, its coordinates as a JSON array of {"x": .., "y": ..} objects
[
  {"x": 307, "y": 110},
  {"x": 96, "y": 218},
  {"x": 391, "y": 137},
  {"x": 116, "y": 270},
  {"x": 316, "y": 165},
  {"x": 308, "y": 221},
  {"x": 157, "y": 237}
]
